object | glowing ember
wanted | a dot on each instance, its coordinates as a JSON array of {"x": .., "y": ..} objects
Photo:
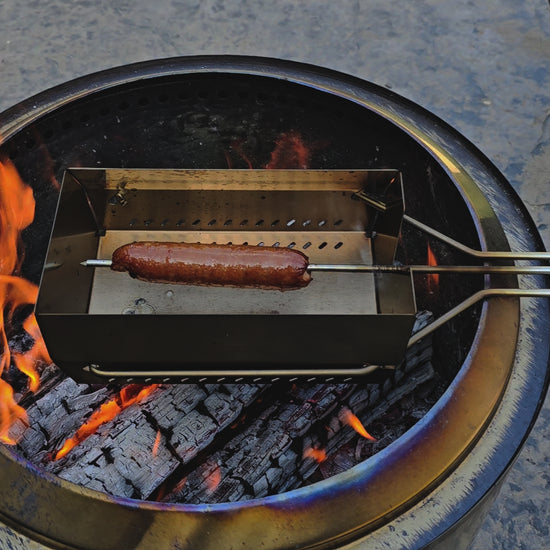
[
  {"x": 432, "y": 278},
  {"x": 179, "y": 485},
  {"x": 350, "y": 419},
  {"x": 319, "y": 455},
  {"x": 214, "y": 476},
  {"x": 290, "y": 152},
  {"x": 156, "y": 444},
  {"x": 16, "y": 213},
  {"x": 133, "y": 393}
]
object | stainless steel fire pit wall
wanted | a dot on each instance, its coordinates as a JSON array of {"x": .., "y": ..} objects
[{"x": 430, "y": 487}]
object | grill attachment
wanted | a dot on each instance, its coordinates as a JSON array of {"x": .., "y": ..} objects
[{"x": 100, "y": 323}]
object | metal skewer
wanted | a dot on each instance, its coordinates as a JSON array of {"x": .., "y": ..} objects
[{"x": 353, "y": 268}]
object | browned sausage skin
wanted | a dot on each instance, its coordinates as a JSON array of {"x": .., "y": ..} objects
[{"x": 242, "y": 266}]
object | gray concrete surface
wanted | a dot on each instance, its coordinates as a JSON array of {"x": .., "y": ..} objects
[{"x": 483, "y": 66}]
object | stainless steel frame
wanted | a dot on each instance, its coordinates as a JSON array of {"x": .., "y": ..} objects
[{"x": 106, "y": 324}]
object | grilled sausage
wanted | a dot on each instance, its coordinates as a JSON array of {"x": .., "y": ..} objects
[{"x": 214, "y": 265}]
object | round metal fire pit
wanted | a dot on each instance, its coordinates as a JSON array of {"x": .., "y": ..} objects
[{"x": 431, "y": 485}]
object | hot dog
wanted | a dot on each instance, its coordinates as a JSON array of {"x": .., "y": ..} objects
[{"x": 241, "y": 266}]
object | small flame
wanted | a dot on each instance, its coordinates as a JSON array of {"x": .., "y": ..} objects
[
  {"x": 319, "y": 455},
  {"x": 133, "y": 393},
  {"x": 290, "y": 152},
  {"x": 351, "y": 420},
  {"x": 156, "y": 444},
  {"x": 238, "y": 147},
  {"x": 432, "y": 278}
]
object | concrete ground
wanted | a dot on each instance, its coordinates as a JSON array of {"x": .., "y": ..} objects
[{"x": 481, "y": 65}]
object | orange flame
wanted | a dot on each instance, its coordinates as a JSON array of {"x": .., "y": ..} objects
[
  {"x": 290, "y": 152},
  {"x": 432, "y": 278},
  {"x": 351, "y": 420},
  {"x": 319, "y": 455},
  {"x": 133, "y": 393},
  {"x": 156, "y": 444},
  {"x": 16, "y": 213}
]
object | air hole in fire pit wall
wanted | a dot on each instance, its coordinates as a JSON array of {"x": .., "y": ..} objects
[
  {"x": 244, "y": 222},
  {"x": 338, "y": 245},
  {"x": 323, "y": 244},
  {"x": 259, "y": 222},
  {"x": 338, "y": 222},
  {"x": 291, "y": 245},
  {"x": 228, "y": 222},
  {"x": 307, "y": 245},
  {"x": 196, "y": 222},
  {"x": 290, "y": 223},
  {"x": 275, "y": 222},
  {"x": 212, "y": 222},
  {"x": 306, "y": 223}
]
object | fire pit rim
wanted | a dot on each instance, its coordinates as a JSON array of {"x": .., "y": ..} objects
[{"x": 12, "y": 122}]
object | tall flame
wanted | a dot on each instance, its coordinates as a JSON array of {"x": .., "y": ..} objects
[
  {"x": 16, "y": 213},
  {"x": 133, "y": 393},
  {"x": 351, "y": 420}
]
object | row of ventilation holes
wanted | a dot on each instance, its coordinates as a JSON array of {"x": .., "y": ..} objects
[
  {"x": 142, "y": 101},
  {"x": 229, "y": 222},
  {"x": 166, "y": 380},
  {"x": 289, "y": 223}
]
